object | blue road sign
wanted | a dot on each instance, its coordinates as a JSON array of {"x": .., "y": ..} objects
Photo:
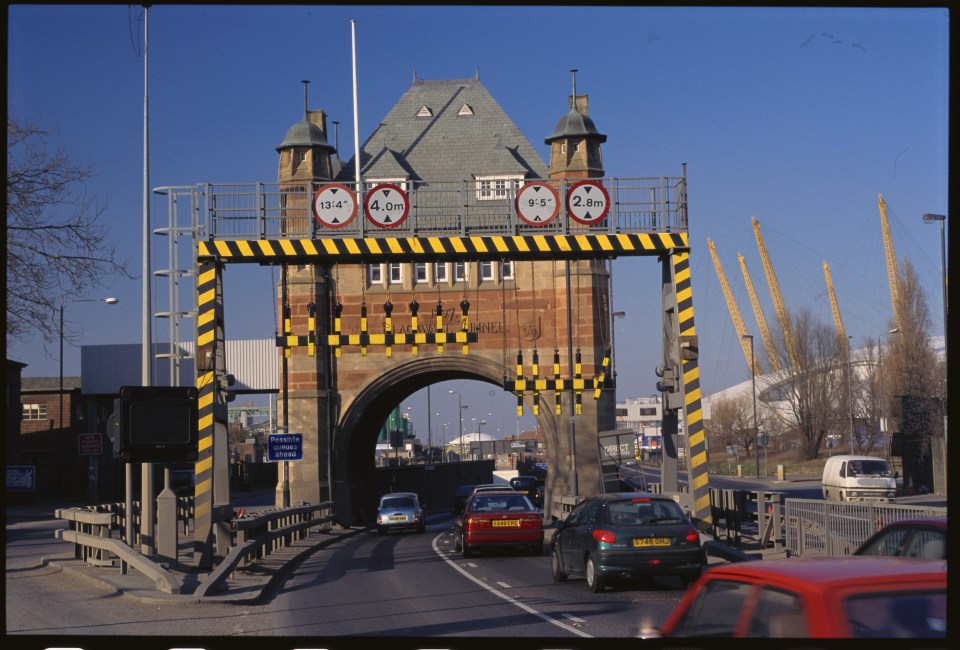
[{"x": 284, "y": 446}]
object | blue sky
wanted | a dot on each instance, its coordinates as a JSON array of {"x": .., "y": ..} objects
[{"x": 798, "y": 116}]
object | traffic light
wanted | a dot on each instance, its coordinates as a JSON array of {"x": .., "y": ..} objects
[
  {"x": 155, "y": 424},
  {"x": 668, "y": 379}
]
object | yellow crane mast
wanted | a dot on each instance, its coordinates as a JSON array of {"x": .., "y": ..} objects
[
  {"x": 734, "y": 310},
  {"x": 837, "y": 321},
  {"x": 778, "y": 304},
  {"x": 893, "y": 274},
  {"x": 771, "y": 349}
]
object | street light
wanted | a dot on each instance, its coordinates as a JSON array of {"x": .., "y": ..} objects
[
  {"x": 63, "y": 301},
  {"x": 933, "y": 218},
  {"x": 895, "y": 330},
  {"x": 460, "y": 407},
  {"x": 753, "y": 379},
  {"x": 853, "y": 425}
]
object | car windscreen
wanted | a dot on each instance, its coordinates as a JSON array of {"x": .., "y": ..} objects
[{"x": 641, "y": 512}]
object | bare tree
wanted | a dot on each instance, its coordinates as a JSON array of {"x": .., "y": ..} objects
[
  {"x": 731, "y": 423},
  {"x": 55, "y": 243},
  {"x": 813, "y": 378}
]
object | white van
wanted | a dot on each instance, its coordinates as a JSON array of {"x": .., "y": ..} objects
[{"x": 858, "y": 478}]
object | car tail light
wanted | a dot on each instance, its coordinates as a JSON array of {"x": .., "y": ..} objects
[
  {"x": 605, "y": 536},
  {"x": 692, "y": 535},
  {"x": 473, "y": 523}
]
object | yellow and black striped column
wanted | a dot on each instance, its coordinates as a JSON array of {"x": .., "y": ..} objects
[{"x": 690, "y": 384}]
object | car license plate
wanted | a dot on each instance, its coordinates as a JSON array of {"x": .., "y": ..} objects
[
  {"x": 398, "y": 517},
  {"x": 506, "y": 523},
  {"x": 651, "y": 541}
]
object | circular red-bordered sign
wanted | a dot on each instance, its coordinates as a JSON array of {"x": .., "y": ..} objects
[
  {"x": 588, "y": 202},
  {"x": 386, "y": 205},
  {"x": 334, "y": 205},
  {"x": 537, "y": 203}
]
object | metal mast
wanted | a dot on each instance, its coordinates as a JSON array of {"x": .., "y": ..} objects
[
  {"x": 771, "y": 349},
  {"x": 734, "y": 309},
  {"x": 778, "y": 303}
]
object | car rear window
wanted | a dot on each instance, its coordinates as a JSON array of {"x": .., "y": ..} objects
[
  {"x": 398, "y": 502},
  {"x": 642, "y": 512},
  {"x": 898, "y": 614}
]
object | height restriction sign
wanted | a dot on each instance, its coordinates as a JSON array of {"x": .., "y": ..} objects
[
  {"x": 537, "y": 203},
  {"x": 334, "y": 205},
  {"x": 588, "y": 202},
  {"x": 387, "y": 205}
]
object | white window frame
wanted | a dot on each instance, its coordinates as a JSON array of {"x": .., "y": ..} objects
[
  {"x": 374, "y": 274},
  {"x": 421, "y": 273},
  {"x": 461, "y": 273},
  {"x": 34, "y": 412},
  {"x": 506, "y": 270},
  {"x": 370, "y": 183},
  {"x": 487, "y": 271},
  {"x": 440, "y": 272},
  {"x": 495, "y": 188},
  {"x": 395, "y": 272}
]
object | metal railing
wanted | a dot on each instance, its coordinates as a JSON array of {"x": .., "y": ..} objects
[
  {"x": 436, "y": 209},
  {"x": 815, "y": 527}
]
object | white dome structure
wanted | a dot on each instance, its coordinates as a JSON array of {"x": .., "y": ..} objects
[{"x": 467, "y": 438}]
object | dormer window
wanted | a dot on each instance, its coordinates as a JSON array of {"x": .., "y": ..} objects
[
  {"x": 465, "y": 110},
  {"x": 490, "y": 188},
  {"x": 424, "y": 112}
]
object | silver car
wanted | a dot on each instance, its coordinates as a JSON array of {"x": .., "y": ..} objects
[{"x": 400, "y": 511}]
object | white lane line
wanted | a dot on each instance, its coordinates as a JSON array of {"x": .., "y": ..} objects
[
  {"x": 575, "y": 619},
  {"x": 504, "y": 585},
  {"x": 500, "y": 594}
]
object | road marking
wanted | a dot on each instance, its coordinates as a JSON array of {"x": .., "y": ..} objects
[
  {"x": 575, "y": 619},
  {"x": 500, "y": 594},
  {"x": 504, "y": 585}
]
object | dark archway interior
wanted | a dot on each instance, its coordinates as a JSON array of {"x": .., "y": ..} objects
[{"x": 356, "y": 439}]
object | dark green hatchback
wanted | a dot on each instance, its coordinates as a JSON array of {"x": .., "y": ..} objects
[{"x": 626, "y": 535}]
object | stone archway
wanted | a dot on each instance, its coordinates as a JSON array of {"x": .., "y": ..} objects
[{"x": 352, "y": 457}]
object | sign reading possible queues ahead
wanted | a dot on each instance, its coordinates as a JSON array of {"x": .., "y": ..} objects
[{"x": 284, "y": 446}]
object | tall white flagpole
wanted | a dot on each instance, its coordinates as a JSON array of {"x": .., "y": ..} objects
[{"x": 356, "y": 122}]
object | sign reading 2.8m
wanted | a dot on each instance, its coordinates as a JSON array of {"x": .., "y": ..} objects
[{"x": 588, "y": 202}]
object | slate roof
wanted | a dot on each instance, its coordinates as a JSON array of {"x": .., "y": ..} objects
[
  {"x": 48, "y": 384},
  {"x": 447, "y": 141}
]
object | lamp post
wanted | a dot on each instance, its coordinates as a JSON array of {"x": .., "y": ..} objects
[
  {"x": 853, "y": 425},
  {"x": 895, "y": 330},
  {"x": 753, "y": 380},
  {"x": 460, "y": 408},
  {"x": 63, "y": 301},
  {"x": 933, "y": 218}
]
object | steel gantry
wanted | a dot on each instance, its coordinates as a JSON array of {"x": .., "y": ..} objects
[{"x": 252, "y": 224}]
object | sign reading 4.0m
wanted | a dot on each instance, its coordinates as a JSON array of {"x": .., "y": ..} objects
[{"x": 284, "y": 446}]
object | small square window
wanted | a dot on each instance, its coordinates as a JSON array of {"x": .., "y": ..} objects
[
  {"x": 375, "y": 274},
  {"x": 459, "y": 272},
  {"x": 420, "y": 272},
  {"x": 506, "y": 270},
  {"x": 486, "y": 271},
  {"x": 396, "y": 273},
  {"x": 440, "y": 271}
]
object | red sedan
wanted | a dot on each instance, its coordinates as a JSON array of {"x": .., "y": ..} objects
[
  {"x": 492, "y": 520},
  {"x": 815, "y": 597}
]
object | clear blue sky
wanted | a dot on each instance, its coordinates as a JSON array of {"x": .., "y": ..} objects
[{"x": 798, "y": 116}]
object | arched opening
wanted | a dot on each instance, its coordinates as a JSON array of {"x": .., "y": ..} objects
[{"x": 353, "y": 459}]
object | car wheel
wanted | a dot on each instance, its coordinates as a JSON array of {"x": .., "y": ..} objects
[
  {"x": 556, "y": 566},
  {"x": 456, "y": 544},
  {"x": 595, "y": 582},
  {"x": 422, "y": 528},
  {"x": 467, "y": 552}
]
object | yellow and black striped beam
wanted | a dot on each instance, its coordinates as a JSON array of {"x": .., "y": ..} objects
[
  {"x": 523, "y": 385},
  {"x": 412, "y": 249},
  {"x": 690, "y": 373},
  {"x": 420, "y": 338}
]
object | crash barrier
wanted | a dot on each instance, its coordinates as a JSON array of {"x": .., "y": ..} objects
[
  {"x": 97, "y": 533},
  {"x": 815, "y": 527},
  {"x": 256, "y": 536}
]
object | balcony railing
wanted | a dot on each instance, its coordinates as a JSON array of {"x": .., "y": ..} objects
[{"x": 436, "y": 209}]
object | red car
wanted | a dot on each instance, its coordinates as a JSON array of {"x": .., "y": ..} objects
[
  {"x": 504, "y": 519},
  {"x": 815, "y": 597}
]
